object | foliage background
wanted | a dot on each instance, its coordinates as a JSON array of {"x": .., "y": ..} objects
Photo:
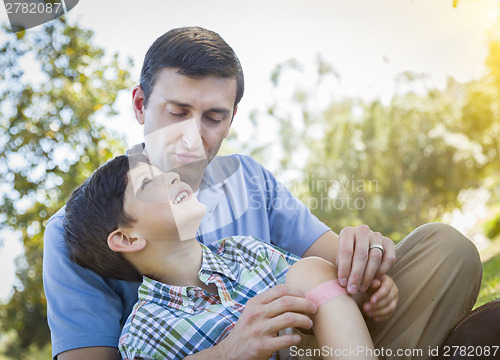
[
  {"x": 392, "y": 165},
  {"x": 49, "y": 143}
]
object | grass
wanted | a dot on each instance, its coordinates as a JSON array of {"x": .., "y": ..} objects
[
  {"x": 490, "y": 287},
  {"x": 33, "y": 353}
]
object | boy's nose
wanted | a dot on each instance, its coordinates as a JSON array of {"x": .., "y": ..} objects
[{"x": 170, "y": 178}]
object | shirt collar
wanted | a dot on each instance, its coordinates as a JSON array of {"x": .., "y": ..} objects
[
  {"x": 180, "y": 297},
  {"x": 214, "y": 263},
  {"x": 158, "y": 292}
]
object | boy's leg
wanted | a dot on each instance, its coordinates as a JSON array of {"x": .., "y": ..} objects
[
  {"x": 339, "y": 327},
  {"x": 438, "y": 274}
]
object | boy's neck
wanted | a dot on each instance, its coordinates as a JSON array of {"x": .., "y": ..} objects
[{"x": 174, "y": 264}]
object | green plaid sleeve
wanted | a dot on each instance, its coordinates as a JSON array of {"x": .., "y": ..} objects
[{"x": 280, "y": 261}]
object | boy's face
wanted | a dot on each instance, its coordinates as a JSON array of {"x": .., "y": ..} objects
[
  {"x": 186, "y": 120},
  {"x": 162, "y": 205}
]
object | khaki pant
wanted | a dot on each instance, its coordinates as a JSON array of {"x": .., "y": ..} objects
[{"x": 438, "y": 273}]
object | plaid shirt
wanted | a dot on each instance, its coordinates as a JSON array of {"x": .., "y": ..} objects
[{"x": 172, "y": 322}]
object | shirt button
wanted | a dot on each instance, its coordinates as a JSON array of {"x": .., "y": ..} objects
[
  {"x": 191, "y": 293},
  {"x": 185, "y": 303}
]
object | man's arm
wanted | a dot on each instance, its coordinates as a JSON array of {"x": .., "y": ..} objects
[
  {"x": 325, "y": 247},
  {"x": 350, "y": 251},
  {"x": 83, "y": 309},
  {"x": 91, "y": 353}
]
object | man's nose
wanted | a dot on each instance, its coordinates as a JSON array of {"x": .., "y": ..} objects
[{"x": 192, "y": 134}]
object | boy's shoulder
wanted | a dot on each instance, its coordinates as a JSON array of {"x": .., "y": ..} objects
[
  {"x": 137, "y": 337},
  {"x": 238, "y": 244},
  {"x": 245, "y": 249}
]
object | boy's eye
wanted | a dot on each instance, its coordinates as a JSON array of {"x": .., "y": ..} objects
[{"x": 145, "y": 182}]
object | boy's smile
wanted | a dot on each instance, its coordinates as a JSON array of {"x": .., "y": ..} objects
[{"x": 163, "y": 206}]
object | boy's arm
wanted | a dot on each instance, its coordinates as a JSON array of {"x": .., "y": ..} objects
[{"x": 350, "y": 252}]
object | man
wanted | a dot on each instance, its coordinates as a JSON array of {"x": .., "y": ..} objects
[{"x": 190, "y": 87}]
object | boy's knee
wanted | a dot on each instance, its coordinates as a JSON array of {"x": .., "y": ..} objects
[{"x": 309, "y": 272}]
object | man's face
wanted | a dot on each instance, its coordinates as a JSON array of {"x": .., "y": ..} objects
[
  {"x": 186, "y": 120},
  {"x": 162, "y": 205}
]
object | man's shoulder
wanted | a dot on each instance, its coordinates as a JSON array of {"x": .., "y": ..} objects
[
  {"x": 58, "y": 216},
  {"x": 53, "y": 233}
]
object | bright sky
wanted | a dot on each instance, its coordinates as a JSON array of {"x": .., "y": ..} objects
[{"x": 369, "y": 42}]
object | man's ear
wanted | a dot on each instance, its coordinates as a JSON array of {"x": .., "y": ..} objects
[
  {"x": 138, "y": 104},
  {"x": 118, "y": 241}
]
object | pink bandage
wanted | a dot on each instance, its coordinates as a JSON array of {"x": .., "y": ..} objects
[{"x": 325, "y": 291}]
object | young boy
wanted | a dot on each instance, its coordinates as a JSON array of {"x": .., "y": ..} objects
[{"x": 131, "y": 221}]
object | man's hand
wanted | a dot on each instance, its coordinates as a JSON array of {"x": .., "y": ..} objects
[
  {"x": 358, "y": 264},
  {"x": 382, "y": 296},
  {"x": 255, "y": 334}
]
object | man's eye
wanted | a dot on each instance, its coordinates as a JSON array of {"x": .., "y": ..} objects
[
  {"x": 213, "y": 120},
  {"x": 177, "y": 114}
]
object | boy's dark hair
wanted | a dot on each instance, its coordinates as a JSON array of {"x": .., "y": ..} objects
[
  {"x": 197, "y": 52},
  {"x": 94, "y": 210}
]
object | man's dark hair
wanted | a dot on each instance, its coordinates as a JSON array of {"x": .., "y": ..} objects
[
  {"x": 94, "y": 210},
  {"x": 197, "y": 52}
]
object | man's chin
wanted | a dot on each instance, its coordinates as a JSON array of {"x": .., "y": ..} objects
[{"x": 189, "y": 173}]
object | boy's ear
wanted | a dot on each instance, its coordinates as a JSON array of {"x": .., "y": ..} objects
[{"x": 118, "y": 241}]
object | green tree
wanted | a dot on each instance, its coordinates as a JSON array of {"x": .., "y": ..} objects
[
  {"x": 393, "y": 166},
  {"x": 54, "y": 83}
]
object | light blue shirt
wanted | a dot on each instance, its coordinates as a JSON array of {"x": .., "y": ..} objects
[{"x": 242, "y": 198}]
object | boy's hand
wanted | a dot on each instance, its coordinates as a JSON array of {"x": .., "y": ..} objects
[{"x": 382, "y": 298}]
